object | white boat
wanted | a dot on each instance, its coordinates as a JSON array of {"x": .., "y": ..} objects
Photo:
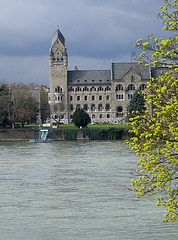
[{"x": 43, "y": 137}]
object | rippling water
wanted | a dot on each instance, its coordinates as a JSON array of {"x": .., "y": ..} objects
[{"x": 74, "y": 190}]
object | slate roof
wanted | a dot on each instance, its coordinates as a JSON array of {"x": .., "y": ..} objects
[
  {"x": 84, "y": 77},
  {"x": 156, "y": 72},
  {"x": 121, "y": 69},
  {"x": 58, "y": 35}
]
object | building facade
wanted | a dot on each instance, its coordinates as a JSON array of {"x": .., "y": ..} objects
[{"x": 103, "y": 94}]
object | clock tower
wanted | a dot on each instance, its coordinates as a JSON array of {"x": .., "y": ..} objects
[{"x": 58, "y": 62}]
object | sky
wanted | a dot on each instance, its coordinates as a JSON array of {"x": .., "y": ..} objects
[{"x": 95, "y": 31}]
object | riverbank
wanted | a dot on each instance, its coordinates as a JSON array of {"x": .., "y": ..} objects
[{"x": 67, "y": 133}]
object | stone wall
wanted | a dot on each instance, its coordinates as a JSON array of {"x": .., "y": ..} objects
[{"x": 18, "y": 134}]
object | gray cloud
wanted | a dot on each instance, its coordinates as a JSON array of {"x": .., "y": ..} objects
[{"x": 95, "y": 32}]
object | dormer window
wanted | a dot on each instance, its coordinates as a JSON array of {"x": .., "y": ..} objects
[
  {"x": 93, "y": 80},
  {"x": 78, "y": 80},
  {"x": 85, "y": 80}
]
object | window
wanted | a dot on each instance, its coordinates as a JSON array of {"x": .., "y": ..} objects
[
  {"x": 58, "y": 89},
  {"x": 121, "y": 96},
  {"x": 93, "y": 107},
  {"x": 107, "y": 88},
  {"x": 129, "y": 96},
  {"x": 93, "y": 115},
  {"x": 85, "y": 107},
  {"x": 142, "y": 87},
  {"x": 93, "y": 98},
  {"x": 108, "y": 115},
  {"x": 71, "y": 98},
  {"x": 100, "y": 107},
  {"x": 85, "y": 98},
  {"x": 100, "y": 89},
  {"x": 131, "y": 87},
  {"x": 119, "y": 87},
  {"x": 78, "y": 98},
  {"x": 100, "y": 116},
  {"x": 119, "y": 109},
  {"x": 107, "y": 107},
  {"x": 107, "y": 97},
  {"x": 78, "y": 89},
  {"x": 100, "y": 97},
  {"x": 71, "y": 89},
  {"x": 71, "y": 107},
  {"x": 85, "y": 89},
  {"x": 92, "y": 89},
  {"x": 119, "y": 112},
  {"x": 78, "y": 106}
]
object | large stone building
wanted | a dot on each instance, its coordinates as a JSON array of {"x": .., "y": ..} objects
[{"x": 104, "y": 94}]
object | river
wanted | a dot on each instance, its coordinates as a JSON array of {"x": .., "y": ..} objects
[{"x": 75, "y": 190}]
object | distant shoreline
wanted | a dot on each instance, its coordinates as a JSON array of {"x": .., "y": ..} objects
[{"x": 23, "y": 134}]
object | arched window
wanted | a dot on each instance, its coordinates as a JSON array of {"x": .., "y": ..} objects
[
  {"x": 107, "y": 97},
  {"x": 92, "y": 89},
  {"x": 85, "y": 107},
  {"x": 93, "y": 97},
  {"x": 85, "y": 98},
  {"x": 100, "y": 89},
  {"x": 100, "y": 107},
  {"x": 58, "y": 89},
  {"x": 131, "y": 87},
  {"x": 93, "y": 115},
  {"x": 78, "y": 98},
  {"x": 119, "y": 111},
  {"x": 108, "y": 115},
  {"x": 85, "y": 89},
  {"x": 78, "y": 89},
  {"x": 119, "y": 87},
  {"x": 78, "y": 106},
  {"x": 71, "y": 89},
  {"x": 107, "y": 107},
  {"x": 71, "y": 98},
  {"x": 107, "y": 88},
  {"x": 142, "y": 87},
  {"x": 100, "y": 116},
  {"x": 100, "y": 97},
  {"x": 93, "y": 107}
]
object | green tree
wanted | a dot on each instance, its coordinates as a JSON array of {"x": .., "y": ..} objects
[
  {"x": 156, "y": 135},
  {"x": 81, "y": 118},
  {"x": 136, "y": 105}
]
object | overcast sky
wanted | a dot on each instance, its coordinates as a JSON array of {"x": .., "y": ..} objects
[{"x": 95, "y": 31}]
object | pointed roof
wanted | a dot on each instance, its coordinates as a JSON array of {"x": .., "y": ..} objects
[
  {"x": 58, "y": 35},
  {"x": 121, "y": 69}
]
